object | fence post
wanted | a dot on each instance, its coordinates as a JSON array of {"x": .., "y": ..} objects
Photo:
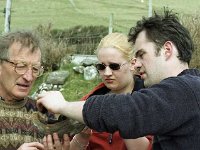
[
  {"x": 7, "y": 16},
  {"x": 110, "y": 24},
  {"x": 150, "y": 8}
]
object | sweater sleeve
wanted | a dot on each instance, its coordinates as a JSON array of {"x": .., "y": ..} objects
[{"x": 148, "y": 111}]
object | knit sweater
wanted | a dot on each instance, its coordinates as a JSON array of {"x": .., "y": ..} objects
[
  {"x": 169, "y": 110},
  {"x": 21, "y": 122}
]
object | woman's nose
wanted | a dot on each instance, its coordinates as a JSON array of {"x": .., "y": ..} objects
[{"x": 107, "y": 71}]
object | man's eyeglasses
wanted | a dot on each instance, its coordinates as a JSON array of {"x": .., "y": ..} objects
[
  {"x": 22, "y": 67},
  {"x": 113, "y": 66}
]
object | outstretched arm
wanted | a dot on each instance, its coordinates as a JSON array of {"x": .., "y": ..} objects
[{"x": 55, "y": 102}]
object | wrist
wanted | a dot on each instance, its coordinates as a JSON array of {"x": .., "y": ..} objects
[
  {"x": 64, "y": 108},
  {"x": 72, "y": 110},
  {"x": 80, "y": 142},
  {"x": 85, "y": 133}
]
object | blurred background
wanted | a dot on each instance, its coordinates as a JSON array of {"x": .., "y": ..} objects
[
  {"x": 64, "y": 14},
  {"x": 71, "y": 27}
]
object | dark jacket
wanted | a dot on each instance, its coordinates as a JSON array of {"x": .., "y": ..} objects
[
  {"x": 169, "y": 110},
  {"x": 104, "y": 140}
]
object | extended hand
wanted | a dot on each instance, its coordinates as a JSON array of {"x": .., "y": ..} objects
[
  {"x": 52, "y": 142},
  {"x": 51, "y": 100},
  {"x": 31, "y": 146}
]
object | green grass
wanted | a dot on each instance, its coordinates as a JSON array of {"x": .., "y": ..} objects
[
  {"x": 75, "y": 87},
  {"x": 64, "y": 14}
]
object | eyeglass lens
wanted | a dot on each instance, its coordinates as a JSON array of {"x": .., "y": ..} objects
[
  {"x": 22, "y": 67},
  {"x": 113, "y": 66}
]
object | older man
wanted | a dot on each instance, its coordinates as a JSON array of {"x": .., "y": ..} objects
[{"x": 22, "y": 126}]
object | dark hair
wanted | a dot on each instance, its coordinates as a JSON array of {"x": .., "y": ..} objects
[
  {"x": 160, "y": 29},
  {"x": 26, "y": 38}
]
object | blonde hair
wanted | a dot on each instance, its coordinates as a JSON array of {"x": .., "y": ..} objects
[{"x": 118, "y": 41}]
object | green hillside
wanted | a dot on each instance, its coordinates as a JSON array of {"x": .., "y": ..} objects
[
  {"x": 62, "y": 14},
  {"x": 68, "y": 13}
]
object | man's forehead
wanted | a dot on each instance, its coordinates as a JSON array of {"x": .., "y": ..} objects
[
  {"x": 19, "y": 53},
  {"x": 17, "y": 47}
]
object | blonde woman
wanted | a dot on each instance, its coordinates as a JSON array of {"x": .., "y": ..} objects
[{"x": 116, "y": 68}]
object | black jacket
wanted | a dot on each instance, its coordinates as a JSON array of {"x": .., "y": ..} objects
[{"x": 169, "y": 110}]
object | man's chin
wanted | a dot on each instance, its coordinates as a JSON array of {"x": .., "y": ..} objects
[
  {"x": 146, "y": 83},
  {"x": 21, "y": 96}
]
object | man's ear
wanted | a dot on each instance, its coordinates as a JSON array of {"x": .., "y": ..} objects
[{"x": 168, "y": 49}]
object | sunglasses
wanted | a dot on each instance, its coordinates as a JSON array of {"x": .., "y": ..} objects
[{"x": 113, "y": 66}]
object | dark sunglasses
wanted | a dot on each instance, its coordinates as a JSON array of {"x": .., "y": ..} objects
[{"x": 113, "y": 66}]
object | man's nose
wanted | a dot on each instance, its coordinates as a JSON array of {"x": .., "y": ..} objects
[
  {"x": 137, "y": 65},
  {"x": 28, "y": 75}
]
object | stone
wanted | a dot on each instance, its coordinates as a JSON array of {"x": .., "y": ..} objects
[
  {"x": 90, "y": 73},
  {"x": 57, "y": 77}
]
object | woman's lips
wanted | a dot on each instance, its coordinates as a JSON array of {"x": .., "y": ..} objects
[{"x": 109, "y": 80}]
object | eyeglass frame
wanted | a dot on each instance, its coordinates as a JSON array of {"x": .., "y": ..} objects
[
  {"x": 110, "y": 66},
  {"x": 40, "y": 69}
]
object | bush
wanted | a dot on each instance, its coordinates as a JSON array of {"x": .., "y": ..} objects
[
  {"x": 52, "y": 51},
  {"x": 82, "y": 39},
  {"x": 58, "y": 44},
  {"x": 192, "y": 23}
]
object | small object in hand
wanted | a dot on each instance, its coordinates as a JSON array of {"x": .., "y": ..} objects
[
  {"x": 64, "y": 126},
  {"x": 44, "y": 110}
]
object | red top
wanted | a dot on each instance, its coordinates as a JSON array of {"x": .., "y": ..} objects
[{"x": 104, "y": 140}]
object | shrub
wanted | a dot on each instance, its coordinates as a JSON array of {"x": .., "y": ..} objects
[
  {"x": 53, "y": 51},
  {"x": 82, "y": 39},
  {"x": 192, "y": 22},
  {"x": 58, "y": 44}
]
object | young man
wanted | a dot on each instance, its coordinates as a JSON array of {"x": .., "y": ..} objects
[{"x": 168, "y": 109}]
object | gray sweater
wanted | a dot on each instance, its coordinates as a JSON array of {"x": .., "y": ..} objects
[{"x": 169, "y": 110}]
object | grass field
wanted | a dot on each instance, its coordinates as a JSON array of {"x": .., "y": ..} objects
[
  {"x": 63, "y": 14},
  {"x": 68, "y": 13}
]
